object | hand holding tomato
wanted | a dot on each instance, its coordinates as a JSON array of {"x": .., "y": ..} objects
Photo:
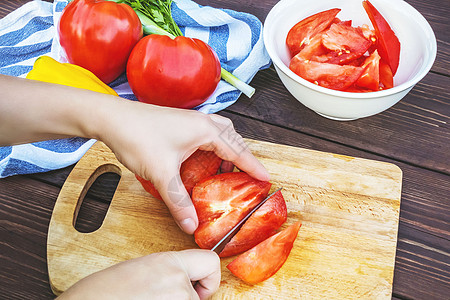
[
  {"x": 156, "y": 140},
  {"x": 99, "y": 36}
]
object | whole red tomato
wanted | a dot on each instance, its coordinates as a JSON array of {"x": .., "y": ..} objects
[
  {"x": 99, "y": 36},
  {"x": 181, "y": 72}
]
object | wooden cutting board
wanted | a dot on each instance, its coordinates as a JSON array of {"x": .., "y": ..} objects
[{"x": 345, "y": 249}]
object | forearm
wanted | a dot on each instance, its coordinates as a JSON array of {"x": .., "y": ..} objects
[{"x": 33, "y": 111}]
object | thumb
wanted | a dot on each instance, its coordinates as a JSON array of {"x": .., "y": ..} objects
[{"x": 178, "y": 201}]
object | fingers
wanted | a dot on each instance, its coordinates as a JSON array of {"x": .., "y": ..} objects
[
  {"x": 177, "y": 200},
  {"x": 202, "y": 267},
  {"x": 230, "y": 146}
]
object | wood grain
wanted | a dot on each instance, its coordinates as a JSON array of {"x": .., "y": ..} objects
[
  {"x": 349, "y": 208},
  {"x": 422, "y": 260}
]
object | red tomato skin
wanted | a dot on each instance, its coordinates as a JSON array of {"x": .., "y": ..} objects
[
  {"x": 149, "y": 187},
  {"x": 328, "y": 75},
  {"x": 302, "y": 32},
  {"x": 262, "y": 224},
  {"x": 181, "y": 72},
  {"x": 388, "y": 44},
  {"x": 265, "y": 259},
  {"x": 200, "y": 165},
  {"x": 221, "y": 201},
  {"x": 99, "y": 36}
]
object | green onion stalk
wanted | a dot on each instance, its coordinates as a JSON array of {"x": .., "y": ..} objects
[{"x": 156, "y": 18}]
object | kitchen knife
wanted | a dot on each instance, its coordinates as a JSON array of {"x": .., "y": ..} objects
[{"x": 221, "y": 244}]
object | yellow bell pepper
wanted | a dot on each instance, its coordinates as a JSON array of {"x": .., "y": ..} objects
[{"x": 49, "y": 70}]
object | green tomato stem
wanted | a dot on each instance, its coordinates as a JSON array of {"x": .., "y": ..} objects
[
  {"x": 150, "y": 27},
  {"x": 237, "y": 83}
]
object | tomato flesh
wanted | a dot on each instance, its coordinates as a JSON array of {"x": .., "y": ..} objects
[
  {"x": 99, "y": 36},
  {"x": 370, "y": 78},
  {"x": 262, "y": 224},
  {"x": 265, "y": 259},
  {"x": 338, "y": 56},
  {"x": 199, "y": 165},
  {"x": 386, "y": 76},
  {"x": 346, "y": 43},
  {"x": 221, "y": 201},
  {"x": 300, "y": 35},
  {"x": 328, "y": 75}
]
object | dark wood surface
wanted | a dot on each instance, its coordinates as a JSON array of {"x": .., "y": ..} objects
[{"x": 414, "y": 134}]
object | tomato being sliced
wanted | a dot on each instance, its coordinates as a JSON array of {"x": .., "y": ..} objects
[
  {"x": 262, "y": 224},
  {"x": 346, "y": 43},
  {"x": 370, "y": 78},
  {"x": 302, "y": 32},
  {"x": 199, "y": 165},
  {"x": 328, "y": 75},
  {"x": 388, "y": 43},
  {"x": 221, "y": 201},
  {"x": 265, "y": 259}
]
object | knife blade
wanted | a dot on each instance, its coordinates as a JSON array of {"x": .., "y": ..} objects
[{"x": 223, "y": 241}]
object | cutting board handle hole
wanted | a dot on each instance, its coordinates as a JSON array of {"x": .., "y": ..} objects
[{"x": 95, "y": 198}]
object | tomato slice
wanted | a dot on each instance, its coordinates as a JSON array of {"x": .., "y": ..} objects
[
  {"x": 221, "y": 201},
  {"x": 346, "y": 43},
  {"x": 302, "y": 32},
  {"x": 388, "y": 43},
  {"x": 199, "y": 165},
  {"x": 328, "y": 75},
  {"x": 386, "y": 76},
  {"x": 370, "y": 78},
  {"x": 314, "y": 49},
  {"x": 262, "y": 224},
  {"x": 265, "y": 259}
]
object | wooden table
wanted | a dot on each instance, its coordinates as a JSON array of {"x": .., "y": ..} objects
[{"x": 414, "y": 134}]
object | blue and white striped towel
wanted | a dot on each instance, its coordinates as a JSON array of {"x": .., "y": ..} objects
[{"x": 29, "y": 32}]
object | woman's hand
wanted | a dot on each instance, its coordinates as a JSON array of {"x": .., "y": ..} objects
[
  {"x": 153, "y": 141},
  {"x": 165, "y": 275}
]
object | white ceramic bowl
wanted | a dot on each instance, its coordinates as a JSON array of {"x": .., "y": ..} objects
[{"x": 417, "y": 54}]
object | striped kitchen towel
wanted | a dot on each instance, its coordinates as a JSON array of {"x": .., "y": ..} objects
[{"x": 30, "y": 32}]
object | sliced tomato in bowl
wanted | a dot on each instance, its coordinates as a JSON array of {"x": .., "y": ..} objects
[
  {"x": 328, "y": 75},
  {"x": 265, "y": 259},
  {"x": 386, "y": 76},
  {"x": 388, "y": 44},
  {"x": 262, "y": 224},
  {"x": 370, "y": 78},
  {"x": 301, "y": 34},
  {"x": 199, "y": 165},
  {"x": 345, "y": 42},
  {"x": 314, "y": 50},
  {"x": 221, "y": 201}
]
